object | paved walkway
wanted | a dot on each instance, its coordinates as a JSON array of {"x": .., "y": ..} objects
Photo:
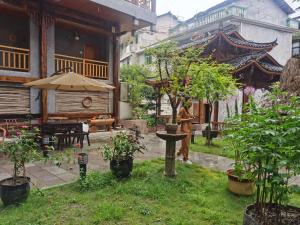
[{"x": 48, "y": 175}]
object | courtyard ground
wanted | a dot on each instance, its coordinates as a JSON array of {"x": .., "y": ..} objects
[{"x": 196, "y": 196}]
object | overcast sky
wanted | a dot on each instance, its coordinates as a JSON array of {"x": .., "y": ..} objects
[{"x": 186, "y": 9}]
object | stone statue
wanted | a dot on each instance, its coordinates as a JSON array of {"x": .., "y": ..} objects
[{"x": 185, "y": 119}]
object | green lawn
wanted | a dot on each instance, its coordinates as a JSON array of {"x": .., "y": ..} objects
[
  {"x": 216, "y": 149},
  {"x": 197, "y": 196}
]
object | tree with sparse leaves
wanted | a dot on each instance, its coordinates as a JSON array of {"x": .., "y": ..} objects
[
  {"x": 212, "y": 82},
  {"x": 173, "y": 66}
]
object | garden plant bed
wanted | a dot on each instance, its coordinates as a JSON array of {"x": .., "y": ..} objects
[
  {"x": 290, "y": 215},
  {"x": 196, "y": 196}
]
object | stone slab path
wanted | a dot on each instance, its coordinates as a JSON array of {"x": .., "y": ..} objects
[{"x": 48, "y": 175}]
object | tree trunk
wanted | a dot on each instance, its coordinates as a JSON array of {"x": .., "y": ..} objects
[
  {"x": 208, "y": 136},
  {"x": 174, "y": 115}
]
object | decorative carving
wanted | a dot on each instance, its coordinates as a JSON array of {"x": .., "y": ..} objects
[{"x": 87, "y": 102}]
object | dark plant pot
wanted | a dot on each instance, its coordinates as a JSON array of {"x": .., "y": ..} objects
[
  {"x": 291, "y": 218},
  {"x": 121, "y": 168},
  {"x": 213, "y": 133},
  {"x": 239, "y": 186},
  {"x": 13, "y": 194},
  {"x": 171, "y": 128}
]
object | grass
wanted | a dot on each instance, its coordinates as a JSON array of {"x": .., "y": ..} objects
[
  {"x": 196, "y": 197},
  {"x": 216, "y": 149}
]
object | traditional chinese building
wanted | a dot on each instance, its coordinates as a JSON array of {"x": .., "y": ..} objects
[
  {"x": 38, "y": 38},
  {"x": 254, "y": 68}
]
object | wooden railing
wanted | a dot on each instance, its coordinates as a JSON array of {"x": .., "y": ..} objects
[
  {"x": 86, "y": 67},
  {"x": 12, "y": 58},
  {"x": 147, "y": 4}
]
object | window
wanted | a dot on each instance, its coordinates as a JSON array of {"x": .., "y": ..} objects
[
  {"x": 296, "y": 48},
  {"x": 148, "y": 59}
]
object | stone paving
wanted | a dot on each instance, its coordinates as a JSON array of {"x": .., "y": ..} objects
[{"x": 48, "y": 175}]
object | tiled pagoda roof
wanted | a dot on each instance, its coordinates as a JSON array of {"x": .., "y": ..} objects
[
  {"x": 233, "y": 38},
  {"x": 258, "y": 59}
]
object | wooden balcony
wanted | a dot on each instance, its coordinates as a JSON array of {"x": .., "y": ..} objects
[
  {"x": 86, "y": 67},
  {"x": 15, "y": 59},
  {"x": 146, "y": 4}
]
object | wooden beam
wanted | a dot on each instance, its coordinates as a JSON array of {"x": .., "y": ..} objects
[
  {"x": 75, "y": 115},
  {"x": 14, "y": 79},
  {"x": 80, "y": 18},
  {"x": 83, "y": 27}
]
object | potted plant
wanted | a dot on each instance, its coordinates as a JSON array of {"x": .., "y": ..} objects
[
  {"x": 268, "y": 137},
  {"x": 240, "y": 178},
  {"x": 20, "y": 151},
  {"x": 173, "y": 67},
  {"x": 121, "y": 153}
]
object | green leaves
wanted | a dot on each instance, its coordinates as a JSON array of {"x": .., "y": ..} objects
[
  {"x": 212, "y": 81},
  {"x": 135, "y": 76},
  {"x": 123, "y": 146},
  {"x": 173, "y": 68},
  {"x": 267, "y": 138}
]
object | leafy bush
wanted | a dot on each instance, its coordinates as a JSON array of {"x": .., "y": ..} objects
[
  {"x": 21, "y": 150},
  {"x": 135, "y": 76},
  {"x": 123, "y": 146},
  {"x": 267, "y": 138}
]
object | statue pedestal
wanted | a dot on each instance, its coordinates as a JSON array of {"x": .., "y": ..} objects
[{"x": 170, "y": 150}]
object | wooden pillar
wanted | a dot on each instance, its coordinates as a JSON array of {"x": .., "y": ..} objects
[
  {"x": 43, "y": 60},
  {"x": 201, "y": 113},
  {"x": 116, "y": 68},
  {"x": 216, "y": 115}
]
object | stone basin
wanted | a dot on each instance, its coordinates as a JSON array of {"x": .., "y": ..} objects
[{"x": 170, "y": 137}]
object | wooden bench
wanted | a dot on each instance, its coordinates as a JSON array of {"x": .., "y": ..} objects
[{"x": 101, "y": 122}]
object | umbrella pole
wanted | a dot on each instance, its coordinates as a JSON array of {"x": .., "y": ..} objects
[{"x": 45, "y": 105}]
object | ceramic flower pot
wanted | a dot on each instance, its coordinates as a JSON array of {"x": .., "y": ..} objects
[
  {"x": 239, "y": 186},
  {"x": 14, "y": 193},
  {"x": 121, "y": 168}
]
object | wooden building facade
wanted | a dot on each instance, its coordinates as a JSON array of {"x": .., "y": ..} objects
[{"x": 39, "y": 38}]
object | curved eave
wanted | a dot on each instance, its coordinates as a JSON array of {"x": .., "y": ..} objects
[
  {"x": 258, "y": 66},
  {"x": 268, "y": 48}
]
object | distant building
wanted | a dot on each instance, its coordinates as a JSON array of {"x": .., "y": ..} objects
[
  {"x": 256, "y": 20},
  {"x": 133, "y": 44},
  {"x": 132, "y": 47}
]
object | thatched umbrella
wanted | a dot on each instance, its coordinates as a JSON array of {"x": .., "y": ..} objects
[{"x": 290, "y": 78}]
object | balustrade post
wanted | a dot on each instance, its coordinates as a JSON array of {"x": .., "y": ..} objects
[{"x": 83, "y": 67}]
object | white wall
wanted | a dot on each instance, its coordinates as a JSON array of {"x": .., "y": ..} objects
[
  {"x": 125, "y": 111},
  {"x": 264, "y": 10},
  {"x": 282, "y": 52}
]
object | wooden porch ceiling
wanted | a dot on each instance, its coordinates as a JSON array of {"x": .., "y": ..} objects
[{"x": 91, "y": 8}]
